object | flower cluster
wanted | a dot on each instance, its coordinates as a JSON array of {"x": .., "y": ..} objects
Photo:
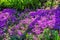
[
  {"x": 57, "y": 23},
  {"x": 7, "y": 16},
  {"x": 35, "y": 22},
  {"x": 46, "y": 19},
  {"x": 39, "y": 20}
]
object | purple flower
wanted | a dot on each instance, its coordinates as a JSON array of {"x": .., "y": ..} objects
[
  {"x": 41, "y": 12},
  {"x": 46, "y": 18},
  {"x": 10, "y": 11},
  {"x": 3, "y": 16},
  {"x": 32, "y": 13},
  {"x": 1, "y": 32},
  {"x": 57, "y": 23}
]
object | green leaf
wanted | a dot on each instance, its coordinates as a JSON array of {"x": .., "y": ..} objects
[
  {"x": 29, "y": 36},
  {"x": 14, "y": 37},
  {"x": 55, "y": 35}
]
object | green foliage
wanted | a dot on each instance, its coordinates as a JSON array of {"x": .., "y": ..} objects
[
  {"x": 1, "y": 38},
  {"x": 55, "y": 35},
  {"x": 49, "y": 35},
  {"x": 29, "y": 37},
  {"x": 48, "y": 3},
  {"x": 40, "y": 36},
  {"x": 14, "y": 37},
  {"x": 20, "y": 4},
  {"x": 46, "y": 34}
]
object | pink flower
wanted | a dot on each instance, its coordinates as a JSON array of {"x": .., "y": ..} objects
[{"x": 19, "y": 32}]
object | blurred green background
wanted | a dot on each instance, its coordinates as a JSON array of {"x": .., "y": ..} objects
[{"x": 24, "y": 4}]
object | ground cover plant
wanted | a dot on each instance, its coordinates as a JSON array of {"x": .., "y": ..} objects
[{"x": 39, "y": 20}]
